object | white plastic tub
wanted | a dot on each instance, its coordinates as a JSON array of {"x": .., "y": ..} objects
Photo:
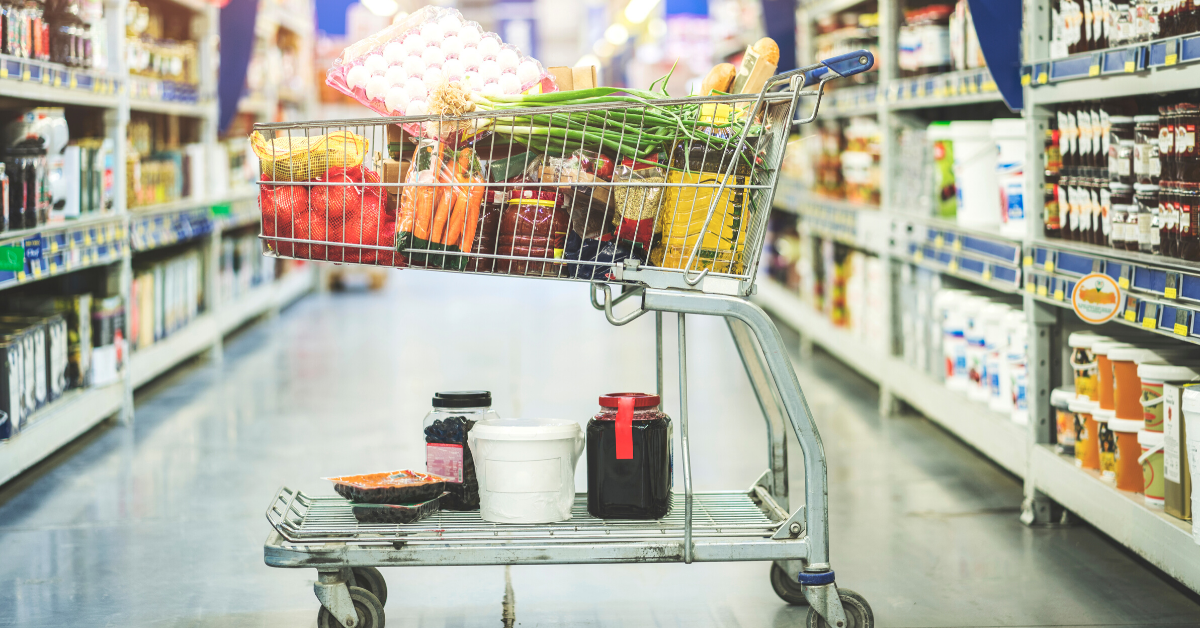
[
  {"x": 526, "y": 468},
  {"x": 975, "y": 156}
]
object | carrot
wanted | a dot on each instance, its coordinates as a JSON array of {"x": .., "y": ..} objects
[
  {"x": 426, "y": 198},
  {"x": 445, "y": 203},
  {"x": 474, "y": 203}
]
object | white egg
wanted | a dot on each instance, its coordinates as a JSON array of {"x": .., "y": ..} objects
[
  {"x": 433, "y": 56},
  {"x": 528, "y": 71},
  {"x": 395, "y": 75},
  {"x": 470, "y": 58},
  {"x": 508, "y": 59},
  {"x": 450, "y": 24},
  {"x": 376, "y": 87},
  {"x": 470, "y": 34},
  {"x": 357, "y": 76},
  {"x": 396, "y": 100},
  {"x": 414, "y": 43},
  {"x": 489, "y": 47},
  {"x": 416, "y": 89},
  {"x": 414, "y": 66},
  {"x": 453, "y": 69},
  {"x": 432, "y": 33},
  {"x": 452, "y": 46},
  {"x": 433, "y": 77},
  {"x": 394, "y": 52},
  {"x": 489, "y": 70},
  {"x": 415, "y": 108},
  {"x": 492, "y": 89},
  {"x": 510, "y": 83},
  {"x": 376, "y": 64}
]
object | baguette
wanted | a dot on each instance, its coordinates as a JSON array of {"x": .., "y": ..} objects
[
  {"x": 720, "y": 78},
  {"x": 767, "y": 49}
]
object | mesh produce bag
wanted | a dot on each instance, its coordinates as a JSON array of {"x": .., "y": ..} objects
[{"x": 305, "y": 158}]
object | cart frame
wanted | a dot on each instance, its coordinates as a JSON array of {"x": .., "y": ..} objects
[{"x": 756, "y": 524}]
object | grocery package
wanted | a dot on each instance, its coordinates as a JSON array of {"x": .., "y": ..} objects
[
  {"x": 526, "y": 468},
  {"x": 390, "y": 487},
  {"x": 685, "y": 210},
  {"x": 533, "y": 225},
  {"x": 302, "y": 158},
  {"x": 395, "y": 71},
  {"x": 441, "y": 218},
  {"x": 629, "y": 458},
  {"x": 447, "y": 452},
  {"x": 395, "y": 513}
]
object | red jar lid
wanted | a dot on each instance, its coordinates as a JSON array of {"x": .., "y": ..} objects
[{"x": 640, "y": 400}]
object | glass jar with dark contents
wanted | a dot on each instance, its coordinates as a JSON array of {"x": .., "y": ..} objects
[
  {"x": 1146, "y": 166},
  {"x": 1120, "y": 162},
  {"x": 1166, "y": 140},
  {"x": 1103, "y": 226},
  {"x": 1146, "y": 196},
  {"x": 1167, "y": 198},
  {"x": 1189, "y": 226},
  {"x": 533, "y": 226},
  {"x": 1051, "y": 214},
  {"x": 629, "y": 458},
  {"x": 1187, "y": 159},
  {"x": 487, "y": 230},
  {"x": 1120, "y": 223},
  {"x": 1120, "y": 198},
  {"x": 1068, "y": 209},
  {"x": 447, "y": 452}
]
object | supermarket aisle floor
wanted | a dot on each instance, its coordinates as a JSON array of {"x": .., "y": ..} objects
[{"x": 162, "y": 525}]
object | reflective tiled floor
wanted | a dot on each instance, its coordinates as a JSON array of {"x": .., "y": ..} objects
[{"x": 162, "y": 524}]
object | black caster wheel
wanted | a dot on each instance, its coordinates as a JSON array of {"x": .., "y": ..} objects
[
  {"x": 858, "y": 612},
  {"x": 370, "y": 611},
  {"x": 787, "y": 589},
  {"x": 372, "y": 580}
]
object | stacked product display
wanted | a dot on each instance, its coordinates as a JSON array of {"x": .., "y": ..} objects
[
  {"x": 1086, "y": 26},
  {"x": 243, "y": 267},
  {"x": 166, "y": 295},
  {"x": 159, "y": 47},
  {"x": 159, "y": 167}
]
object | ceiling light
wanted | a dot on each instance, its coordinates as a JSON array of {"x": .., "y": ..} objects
[
  {"x": 638, "y": 10},
  {"x": 616, "y": 34}
]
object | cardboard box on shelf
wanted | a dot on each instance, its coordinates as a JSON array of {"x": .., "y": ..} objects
[{"x": 569, "y": 79}]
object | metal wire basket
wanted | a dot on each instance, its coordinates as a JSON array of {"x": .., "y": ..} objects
[{"x": 660, "y": 192}]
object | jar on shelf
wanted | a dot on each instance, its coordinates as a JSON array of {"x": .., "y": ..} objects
[
  {"x": 1167, "y": 199},
  {"x": 1167, "y": 115},
  {"x": 446, "y": 450},
  {"x": 1120, "y": 161},
  {"x": 1103, "y": 227},
  {"x": 1146, "y": 166},
  {"x": 1089, "y": 213},
  {"x": 1120, "y": 224},
  {"x": 1189, "y": 226},
  {"x": 1187, "y": 159},
  {"x": 1148, "y": 224},
  {"x": 629, "y": 458},
  {"x": 1067, "y": 209},
  {"x": 1051, "y": 212}
]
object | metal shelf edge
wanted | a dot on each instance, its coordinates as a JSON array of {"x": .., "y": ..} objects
[
  {"x": 56, "y": 425},
  {"x": 150, "y": 362}
]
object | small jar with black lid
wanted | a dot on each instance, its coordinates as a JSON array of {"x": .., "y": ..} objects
[
  {"x": 1146, "y": 166},
  {"x": 1148, "y": 226},
  {"x": 1187, "y": 158},
  {"x": 1189, "y": 226}
]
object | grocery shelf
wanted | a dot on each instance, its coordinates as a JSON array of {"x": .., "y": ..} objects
[
  {"x": 1109, "y": 253},
  {"x": 195, "y": 337},
  {"x": 1157, "y": 316},
  {"x": 853, "y": 224},
  {"x": 990, "y": 432},
  {"x": 1161, "y": 539},
  {"x": 1149, "y": 81},
  {"x": 56, "y": 425},
  {"x": 54, "y": 83},
  {"x": 967, "y": 87},
  {"x": 155, "y": 226},
  {"x": 193, "y": 109},
  {"x": 845, "y": 102},
  {"x": 56, "y": 249}
]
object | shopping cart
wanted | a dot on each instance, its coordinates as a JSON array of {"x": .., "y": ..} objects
[{"x": 676, "y": 221}]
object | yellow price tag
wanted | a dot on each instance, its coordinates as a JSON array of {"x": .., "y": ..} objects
[
  {"x": 1049, "y": 265},
  {"x": 1043, "y": 78},
  {"x": 1029, "y": 287},
  {"x": 987, "y": 274},
  {"x": 3, "y": 70},
  {"x": 1130, "y": 66},
  {"x": 53, "y": 266},
  {"x": 939, "y": 241},
  {"x": 1042, "y": 291},
  {"x": 54, "y": 246},
  {"x": 58, "y": 80},
  {"x": 1028, "y": 261},
  {"x": 1059, "y": 294},
  {"x": 1094, "y": 70},
  {"x": 953, "y": 265},
  {"x": 1123, "y": 282},
  {"x": 20, "y": 276},
  {"x": 25, "y": 75},
  {"x": 957, "y": 244},
  {"x": 1181, "y": 330},
  {"x": 919, "y": 256},
  {"x": 1026, "y": 80},
  {"x": 45, "y": 77},
  {"x": 73, "y": 83},
  {"x": 1131, "y": 316},
  {"x": 87, "y": 238},
  {"x": 1170, "y": 293},
  {"x": 1171, "y": 59},
  {"x": 1149, "y": 323}
]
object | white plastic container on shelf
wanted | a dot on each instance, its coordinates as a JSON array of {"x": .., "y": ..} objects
[
  {"x": 526, "y": 468},
  {"x": 1009, "y": 136},
  {"x": 975, "y": 156},
  {"x": 994, "y": 338},
  {"x": 1018, "y": 374},
  {"x": 1190, "y": 405}
]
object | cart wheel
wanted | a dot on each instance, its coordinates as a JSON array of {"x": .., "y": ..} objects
[
  {"x": 858, "y": 612},
  {"x": 787, "y": 589},
  {"x": 370, "y": 611},
  {"x": 372, "y": 580}
]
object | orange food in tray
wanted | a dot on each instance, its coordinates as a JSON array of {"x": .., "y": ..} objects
[{"x": 390, "y": 487}]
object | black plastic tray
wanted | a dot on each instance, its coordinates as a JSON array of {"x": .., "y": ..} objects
[
  {"x": 396, "y": 487},
  {"x": 395, "y": 513}
]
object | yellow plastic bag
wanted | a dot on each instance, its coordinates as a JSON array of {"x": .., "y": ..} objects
[
  {"x": 304, "y": 158},
  {"x": 681, "y": 223}
]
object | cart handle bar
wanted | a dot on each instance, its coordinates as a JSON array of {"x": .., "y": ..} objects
[{"x": 840, "y": 66}]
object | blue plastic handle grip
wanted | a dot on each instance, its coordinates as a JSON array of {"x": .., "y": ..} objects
[{"x": 848, "y": 64}]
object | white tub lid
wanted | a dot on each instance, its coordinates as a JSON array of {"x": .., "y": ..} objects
[
  {"x": 1061, "y": 397},
  {"x": 1104, "y": 416},
  {"x": 1191, "y": 399},
  {"x": 526, "y": 429},
  {"x": 1084, "y": 405},
  {"x": 1148, "y": 354},
  {"x": 1083, "y": 339},
  {"x": 1150, "y": 439},
  {"x": 1126, "y": 425},
  {"x": 1161, "y": 371},
  {"x": 1102, "y": 347}
]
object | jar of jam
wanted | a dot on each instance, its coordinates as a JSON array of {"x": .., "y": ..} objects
[
  {"x": 1146, "y": 166},
  {"x": 1068, "y": 209},
  {"x": 1167, "y": 199},
  {"x": 1090, "y": 212},
  {"x": 487, "y": 230},
  {"x": 1051, "y": 214},
  {"x": 1146, "y": 196},
  {"x": 532, "y": 226},
  {"x": 629, "y": 458},
  {"x": 1120, "y": 161},
  {"x": 1187, "y": 160},
  {"x": 1166, "y": 140},
  {"x": 1189, "y": 226},
  {"x": 1103, "y": 224},
  {"x": 1120, "y": 223}
]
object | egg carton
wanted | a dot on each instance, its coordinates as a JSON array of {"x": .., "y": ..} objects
[{"x": 393, "y": 71}]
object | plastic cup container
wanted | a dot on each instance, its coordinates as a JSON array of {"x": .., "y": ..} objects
[
  {"x": 1127, "y": 387},
  {"x": 1064, "y": 419},
  {"x": 1087, "y": 438},
  {"x": 526, "y": 468},
  {"x": 1083, "y": 362},
  {"x": 1107, "y": 442},
  {"x": 1104, "y": 371},
  {"x": 1152, "y": 468},
  {"x": 1129, "y": 470},
  {"x": 1152, "y": 376}
]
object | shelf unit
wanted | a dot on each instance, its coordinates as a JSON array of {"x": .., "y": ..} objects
[
  {"x": 1161, "y": 295},
  {"x": 112, "y": 240}
]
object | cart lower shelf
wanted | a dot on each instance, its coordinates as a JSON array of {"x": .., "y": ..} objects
[{"x": 726, "y": 526}]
